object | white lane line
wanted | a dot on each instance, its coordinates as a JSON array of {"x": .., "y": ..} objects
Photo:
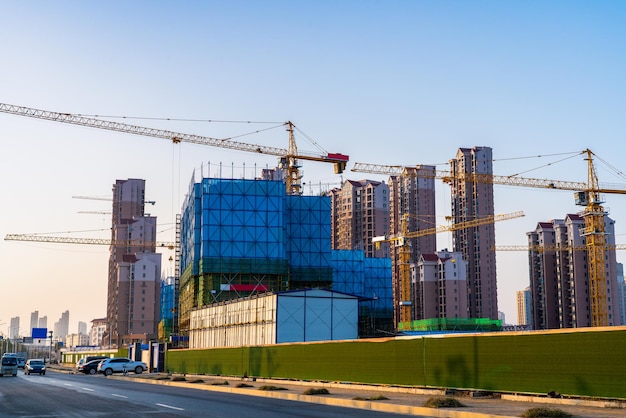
[
  {"x": 67, "y": 384},
  {"x": 119, "y": 396},
  {"x": 170, "y": 406},
  {"x": 87, "y": 389}
]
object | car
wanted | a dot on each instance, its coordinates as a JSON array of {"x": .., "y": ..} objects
[
  {"x": 21, "y": 362},
  {"x": 87, "y": 359},
  {"x": 8, "y": 365},
  {"x": 35, "y": 365},
  {"x": 121, "y": 365},
  {"x": 90, "y": 367}
]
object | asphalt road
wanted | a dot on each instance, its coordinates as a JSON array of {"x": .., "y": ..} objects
[{"x": 75, "y": 395}]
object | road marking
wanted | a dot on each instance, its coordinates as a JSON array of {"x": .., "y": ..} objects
[
  {"x": 87, "y": 389},
  {"x": 67, "y": 384},
  {"x": 119, "y": 396},
  {"x": 170, "y": 406}
]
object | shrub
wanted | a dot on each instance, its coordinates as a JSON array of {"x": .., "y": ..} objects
[
  {"x": 179, "y": 379},
  {"x": 225, "y": 382},
  {"x": 270, "y": 387},
  {"x": 371, "y": 398},
  {"x": 316, "y": 391},
  {"x": 545, "y": 413},
  {"x": 244, "y": 385},
  {"x": 197, "y": 381},
  {"x": 446, "y": 402}
]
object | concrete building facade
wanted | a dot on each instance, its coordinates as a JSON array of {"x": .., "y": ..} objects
[
  {"x": 134, "y": 268},
  {"x": 359, "y": 212},
  {"x": 34, "y": 321},
  {"x": 470, "y": 201},
  {"x": 523, "y": 301},
  {"x": 14, "y": 327},
  {"x": 61, "y": 327},
  {"x": 412, "y": 208},
  {"x": 442, "y": 285},
  {"x": 621, "y": 287},
  {"x": 558, "y": 269}
]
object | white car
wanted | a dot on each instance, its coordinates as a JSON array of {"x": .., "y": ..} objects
[{"x": 121, "y": 365}]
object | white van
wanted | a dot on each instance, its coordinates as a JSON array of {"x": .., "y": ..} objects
[{"x": 8, "y": 365}]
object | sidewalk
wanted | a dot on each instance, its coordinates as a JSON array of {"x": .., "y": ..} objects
[{"x": 383, "y": 398}]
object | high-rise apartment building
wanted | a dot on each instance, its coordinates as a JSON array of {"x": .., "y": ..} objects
[
  {"x": 412, "y": 208},
  {"x": 34, "y": 321},
  {"x": 14, "y": 328},
  {"x": 559, "y": 274},
  {"x": 621, "y": 287},
  {"x": 359, "y": 212},
  {"x": 524, "y": 307},
  {"x": 62, "y": 326},
  {"x": 134, "y": 268},
  {"x": 42, "y": 322},
  {"x": 442, "y": 285},
  {"x": 473, "y": 200}
]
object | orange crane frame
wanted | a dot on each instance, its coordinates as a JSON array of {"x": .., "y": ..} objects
[
  {"x": 587, "y": 195},
  {"x": 403, "y": 238}
]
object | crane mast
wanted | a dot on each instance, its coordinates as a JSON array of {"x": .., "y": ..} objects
[{"x": 594, "y": 215}]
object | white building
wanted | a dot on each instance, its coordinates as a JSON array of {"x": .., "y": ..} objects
[
  {"x": 273, "y": 318},
  {"x": 76, "y": 340},
  {"x": 98, "y": 328}
]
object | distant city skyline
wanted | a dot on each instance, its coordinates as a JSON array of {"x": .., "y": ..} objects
[{"x": 16, "y": 328}]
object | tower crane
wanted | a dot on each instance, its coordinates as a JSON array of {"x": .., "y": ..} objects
[
  {"x": 88, "y": 241},
  {"x": 586, "y": 194},
  {"x": 107, "y": 199},
  {"x": 542, "y": 248},
  {"x": 288, "y": 157},
  {"x": 402, "y": 240}
]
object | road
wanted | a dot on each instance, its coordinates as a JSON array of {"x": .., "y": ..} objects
[{"x": 76, "y": 395}]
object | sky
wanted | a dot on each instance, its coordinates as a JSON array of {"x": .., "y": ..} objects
[{"x": 387, "y": 82}]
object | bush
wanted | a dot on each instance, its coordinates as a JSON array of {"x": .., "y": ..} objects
[
  {"x": 244, "y": 385},
  {"x": 316, "y": 391},
  {"x": 446, "y": 402},
  {"x": 179, "y": 379},
  {"x": 197, "y": 381},
  {"x": 371, "y": 398},
  {"x": 225, "y": 382},
  {"x": 545, "y": 413},
  {"x": 270, "y": 387}
]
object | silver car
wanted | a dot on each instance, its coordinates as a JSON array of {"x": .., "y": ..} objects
[{"x": 121, "y": 365}]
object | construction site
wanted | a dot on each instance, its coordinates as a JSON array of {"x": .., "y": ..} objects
[
  {"x": 238, "y": 238},
  {"x": 259, "y": 264}
]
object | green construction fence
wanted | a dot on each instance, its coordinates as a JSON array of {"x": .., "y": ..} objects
[{"x": 581, "y": 362}]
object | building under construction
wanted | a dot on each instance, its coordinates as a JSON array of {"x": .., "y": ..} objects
[{"x": 241, "y": 237}]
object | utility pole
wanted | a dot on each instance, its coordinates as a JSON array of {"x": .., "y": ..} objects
[{"x": 50, "y": 349}]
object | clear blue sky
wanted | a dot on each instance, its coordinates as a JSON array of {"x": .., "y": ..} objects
[{"x": 392, "y": 82}]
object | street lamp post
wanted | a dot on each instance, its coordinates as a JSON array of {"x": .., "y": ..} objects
[{"x": 50, "y": 349}]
